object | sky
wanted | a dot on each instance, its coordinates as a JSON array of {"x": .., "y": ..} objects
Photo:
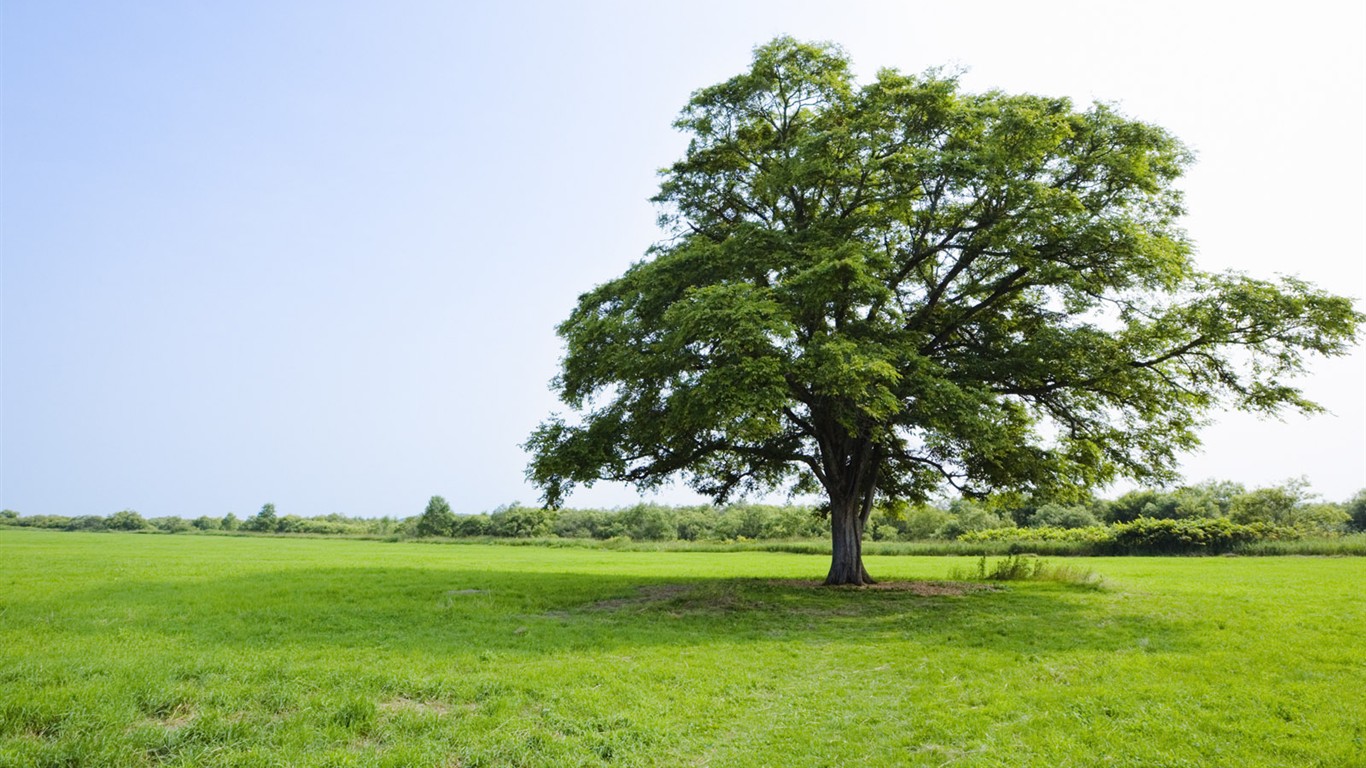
[{"x": 313, "y": 253}]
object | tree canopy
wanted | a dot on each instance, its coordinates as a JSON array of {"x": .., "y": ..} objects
[{"x": 891, "y": 289}]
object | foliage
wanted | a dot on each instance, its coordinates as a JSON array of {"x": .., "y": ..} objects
[
  {"x": 169, "y": 524},
  {"x": 86, "y": 523},
  {"x": 517, "y": 521},
  {"x": 1275, "y": 505},
  {"x": 1356, "y": 511},
  {"x": 1060, "y": 516},
  {"x": 648, "y": 521},
  {"x": 909, "y": 522},
  {"x": 1093, "y": 534},
  {"x": 876, "y": 291},
  {"x": 264, "y": 521},
  {"x": 985, "y": 526},
  {"x": 471, "y": 525},
  {"x": 437, "y": 519},
  {"x": 967, "y": 516},
  {"x": 126, "y": 520},
  {"x": 1149, "y": 536}
]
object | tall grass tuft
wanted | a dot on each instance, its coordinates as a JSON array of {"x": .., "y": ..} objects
[{"x": 1027, "y": 567}]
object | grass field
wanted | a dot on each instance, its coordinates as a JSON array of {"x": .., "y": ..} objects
[{"x": 140, "y": 650}]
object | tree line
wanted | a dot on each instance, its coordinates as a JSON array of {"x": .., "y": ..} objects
[{"x": 1288, "y": 508}]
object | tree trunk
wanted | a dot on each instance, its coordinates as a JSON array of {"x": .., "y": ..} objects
[{"x": 846, "y": 533}]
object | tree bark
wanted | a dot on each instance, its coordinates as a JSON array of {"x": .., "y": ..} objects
[{"x": 846, "y": 534}]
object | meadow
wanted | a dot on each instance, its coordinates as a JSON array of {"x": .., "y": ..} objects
[{"x": 152, "y": 650}]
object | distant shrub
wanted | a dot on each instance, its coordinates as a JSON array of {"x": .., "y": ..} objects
[
  {"x": 579, "y": 524},
  {"x": 743, "y": 521},
  {"x": 471, "y": 525},
  {"x": 170, "y": 524},
  {"x": 1321, "y": 517},
  {"x": 648, "y": 522},
  {"x": 381, "y": 526},
  {"x": 127, "y": 520},
  {"x": 969, "y": 516},
  {"x": 1098, "y": 534},
  {"x": 8, "y": 517},
  {"x": 322, "y": 526},
  {"x": 45, "y": 521},
  {"x": 1356, "y": 511},
  {"x": 696, "y": 523},
  {"x": 206, "y": 523},
  {"x": 1165, "y": 537},
  {"x": 86, "y": 523},
  {"x": 264, "y": 521},
  {"x": 289, "y": 524},
  {"x": 923, "y": 522},
  {"x": 1145, "y": 502},
  {"x": 1275, "y": 505},
  {"x": 519, "y": 522},
  {"x": 1059, "y": 516},
  {"x": 437, "y": 519}
]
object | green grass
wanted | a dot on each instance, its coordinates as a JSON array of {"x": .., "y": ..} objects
[{"x": 129, "y": 650}]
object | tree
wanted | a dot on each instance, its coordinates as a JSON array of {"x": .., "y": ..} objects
[
  {"x": 880, "y": 291},
  {"x": 264, "y": 521},
  {"x": 437, "y": 519},
  {"x": 126, "y": 520},
  {"x": 1356, "y": 511}
]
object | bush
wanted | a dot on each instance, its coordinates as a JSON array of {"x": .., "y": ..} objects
[
  {"x": 471, "y": 525},
  {"x": 696, "y": 523},
  {"x": 648, "y": 522},
  {"x": 45, "y": 521},
  {"x": 970, "y": 516},
  {"x": 1174, "y": 537},
  {"x": 519, "y": 522},
  {"x": 1356, "y": 511},
  {"x": 169, "y": 524},
  {"x": 127, "y": 520},
  {"x": 9, "y": 517},
  {"x": 1275, "y": 505},
  {"x": 738, "y": 521},
  {"x": 1096, "y": 534},
  {"x": 1321, "y": 517},
  {"x": 289, "y": 524},
  {"x": 1058, "y": 516},
  {"x": 86, "y": 523},
  {"x": 265, "y": 521},
  {"x": 923, "y": 522},
  {"x": 437, "y": 519},
  {"x": 1145, "y": 503}
]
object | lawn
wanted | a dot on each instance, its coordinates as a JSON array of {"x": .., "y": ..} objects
[{"x": 142, "y": 650}]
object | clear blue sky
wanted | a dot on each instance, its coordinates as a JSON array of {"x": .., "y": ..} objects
[{"x": 312, "y": 253}]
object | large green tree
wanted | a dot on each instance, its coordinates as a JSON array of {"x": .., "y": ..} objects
[
  {"x": 437, "y": 519},
  {"x": 884, "y": 290}
]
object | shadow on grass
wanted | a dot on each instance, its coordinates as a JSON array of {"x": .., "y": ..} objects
[{"x": 423, "y": 611}]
